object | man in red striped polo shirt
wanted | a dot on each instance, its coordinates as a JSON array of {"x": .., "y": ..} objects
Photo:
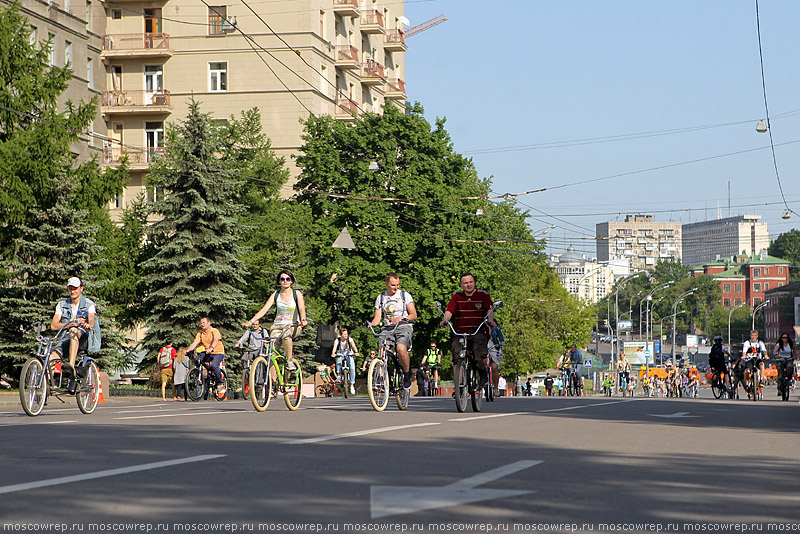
[{"x": 467, "y": 309}]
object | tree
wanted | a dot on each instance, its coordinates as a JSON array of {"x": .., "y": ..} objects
[
  {"x": 787, "y": 247},
  {"x": 194, "y": 270}
]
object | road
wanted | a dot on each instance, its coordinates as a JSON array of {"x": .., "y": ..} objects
[{"x": 521, "y": 462}]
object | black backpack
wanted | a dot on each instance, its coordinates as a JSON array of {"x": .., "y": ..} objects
[{"x": 716, "y": 356}]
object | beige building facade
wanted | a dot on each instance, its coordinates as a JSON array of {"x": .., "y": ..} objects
[
  {"x": 588, "y": 279},
  {"x": 707, "y": 241},
  {"x": 640, "y": 240}
]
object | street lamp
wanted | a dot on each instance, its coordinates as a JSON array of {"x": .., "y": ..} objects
[
  {"x": 649, "y": 298},
  {"x": 674, "y": 313},
  {"x": 621, "y": 284},
  {"x": 729, "y": 322},
  {"x": 661, "y": 327},
  {"x": 755, "y": 310},
  {"x": 585, "y": 275}
]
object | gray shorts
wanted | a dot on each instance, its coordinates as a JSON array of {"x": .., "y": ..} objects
[{"x": 402, "y": 334}]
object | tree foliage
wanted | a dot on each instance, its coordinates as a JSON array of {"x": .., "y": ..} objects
[{"x": 787, "y": 247}]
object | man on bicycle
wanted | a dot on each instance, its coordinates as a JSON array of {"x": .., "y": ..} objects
[
  {"x": 468, "y": 308},
  {"x": 752, "y": 350},
  {"x": 395, "y": 306},
  {"x": 623, "y": 370},
  {"x": 211, "y": 340},
  {"x": 252, "y": 341},
  {"x": 85, "y": 336},
  {"x": 576, "y": 357},
  {"x": 718, "y": 362},
  {"x": 345, "y": 347},
  {"x": 433, "y": 361}
]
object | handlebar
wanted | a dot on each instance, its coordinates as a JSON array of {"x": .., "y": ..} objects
[
  {"x": 494, "y": 306},
  {"x": 398, "y": 323}
]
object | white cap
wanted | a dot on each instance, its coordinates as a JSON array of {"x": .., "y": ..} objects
[{"x": 74, "y": 282}]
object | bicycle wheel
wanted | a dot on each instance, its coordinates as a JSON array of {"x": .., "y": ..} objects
[
  {"x": 460, "y": 389},
  {"x": 220, "y": 391},
  {"x": 476, "y": 393},
  {"x": 89, "y": 389},
  {"x": 378, "y": 384},
  {"x": 31, "y": 396},
  {"x": 260, "y": 384},
  {"x": 195, "y": 386},
  {"x": 489, "y": 389},
  {"x": 346, "y": 381},
  {"x": 716, "y": 388},
  {"x": 401, "y": 394},
  {"x": 246, "y": 383},
  {"x": 292, "y": 387}
]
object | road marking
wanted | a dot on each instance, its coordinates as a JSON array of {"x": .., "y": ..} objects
[
  {"x": 355, "y": 434},
  {"x": 182, "y": 414},
  {"x": 585, "y": 406},
  {"x": 106, "y": 473},
  {"x": 394, "y": 500},
  {"x": 475, "y": 418},
  {"x": 675, "y": 415},
  {"x": 39, "y": 423}
]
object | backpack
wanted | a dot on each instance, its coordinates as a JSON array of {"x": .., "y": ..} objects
[
  {"x": 716, "y": 356},
  {"x": 402, "y": 296},
  {"x": 338, "y": 345},
  {"x": 165, "y": 357}
]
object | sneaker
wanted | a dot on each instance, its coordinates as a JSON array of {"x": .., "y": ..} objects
[
  {"x": 72, "y": 386},
  {"x": 407, "y": 381},
  {"x": 290, "y": 365},
  {"x": 352, "y": 389},
  {"x": 484, "y": 377}
]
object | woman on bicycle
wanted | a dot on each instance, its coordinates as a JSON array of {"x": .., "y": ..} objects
[
  {"x": 623, "y": 370},
  {"x": 345, "y": 347},
  {"x": 784, "y": 351},
  {"x": 290, "y": 308}
]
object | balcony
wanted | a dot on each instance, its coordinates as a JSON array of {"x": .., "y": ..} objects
[
  {"x": 138, "y": 158},
  {"x": 372, "y": 22},
  {"x": 346, "y": 8},
  {"x": 132, "y": 45},
  {"x": 395, "y": 89},
  {"x": 346, "y": 109},
  {"x": 395, "y": 41},
  {"x": 347, "y": 57},
  {"x": 372, "y": 73},
  {"x": 135, "y": 102}
]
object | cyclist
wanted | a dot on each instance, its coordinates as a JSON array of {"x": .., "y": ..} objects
[
  {"x": 433, "y": 361},
  {"x": 496, "y": 344},
  {"x": 345, "y": 347},
  {"x": 718, "y": 359},
  {"x": 646, "y": 385},
  {"x": 393, "y": 306},
  {"x": 252, "y": 341},
  {"x": 372, "y": 356},
  {"x": 577, "y": 362},
  {"x": 211, "y": 340},
  {"x": 468, "y": 308},
  {"x": 784, "y": 350},
  {"x": 623, "y": 370},
  {"x": 83, "y": 337},
  {"x": 564, "y": 363},
  {"x": 290, "y": 307},
  {"x": 752, "y": 350}
]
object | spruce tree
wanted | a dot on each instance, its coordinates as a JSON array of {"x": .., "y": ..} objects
[{"x": 194, "y": 270}]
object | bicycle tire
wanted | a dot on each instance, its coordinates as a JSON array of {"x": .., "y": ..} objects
[
  {"x": 476, "y": 392},
  {"x": 460, "y": 389},
  {"x": 345, "y": 381},
  {"x": 89, "y": 389},
  {"x": 401, "y": 394},
  {"x": 260, "y": 384},
  {"x": 224, "y": 395},
  {"x": 489, "y": 390},
  {"x": 292, "y": 387},
  {"x": 195, "y": 386},
  {"x": 246, "y": 383},
  {"x": 31, "y": 397},
  {"x": 716, "y": 389},
  {"x": 378, "y": 384}
]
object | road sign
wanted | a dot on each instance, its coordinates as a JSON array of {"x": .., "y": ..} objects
[
  {"x": 647, "y": 355},
  {"x": 587, "y": 363}
]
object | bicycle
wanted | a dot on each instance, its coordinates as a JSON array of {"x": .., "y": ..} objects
[
  {"x": 752, "y": 387},
  {"x": 200, "y": 381},
  {"x": 345, "y": 375},
  {"x": 42, "y": 376},
  {"x": 465, "y": 369},
  {"x": 288, "y": 376},
  {"x": 623, "y": 384},
  {"x": 720, "y": 382},
  {"x": 247, "y": 361},
  {"x": 575, "y": 384},
  {"x": 385, "y": 374},
  {"x": 785, "y": 375}
]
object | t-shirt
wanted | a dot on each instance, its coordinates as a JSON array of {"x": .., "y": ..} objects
[
  {"x": 393, "y": 306},
  {"x": 285, "y": 311},
  {"x": 468, "y": 312},
  {"x": 206, "y": 339},
  {"x": 344, "y": 348},
  {"x": 753, "y": 350},
  {"x": 90, "y": 308}
]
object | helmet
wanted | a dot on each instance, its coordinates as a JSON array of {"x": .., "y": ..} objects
[{"x": 717, "y": 338}]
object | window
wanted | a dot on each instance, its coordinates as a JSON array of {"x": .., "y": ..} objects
[
  {"x": 152, "y": 21},
  {"x": 766, "y": 286},
  {"x": 116, "y": 14},
  {"x": 757, "y": 287},
  {"x": 218, "y": 77},
  {"x": 154, "y": 135},
  {"x": 88, "y": 15},
  {"x": 737, "y": 301},
  {"x": 33, "y": 37},
  {"x": 90, "y": 72},
  {"x": 118, "y": 202},
  {"x": 766, "y": 271},
  {"x": 737, "y": 288},
  {"x": 322, "y": 24},
  {"x": 67, "y": 53},
  {"x": 51, "y": 37},
  {"x": 780, "y": 270},
  {"x": 756, "y": 301},
  {"x": 726, "y": 303},
  {"x": 155, "y": 194},
  {"x": 216, "y": 19},
  {"x": 726, "y": 288},
  {"x": 756, "y": 272},
  {"x": 67, "y": 5}
]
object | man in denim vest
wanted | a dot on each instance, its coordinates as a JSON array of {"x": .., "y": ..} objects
[{"x": 81, "y": 310}]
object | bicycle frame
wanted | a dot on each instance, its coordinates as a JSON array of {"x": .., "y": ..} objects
[{"x": 45, "y": 351}]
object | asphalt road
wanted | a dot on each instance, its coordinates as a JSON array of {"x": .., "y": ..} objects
[{"x": 636, "y": 465}]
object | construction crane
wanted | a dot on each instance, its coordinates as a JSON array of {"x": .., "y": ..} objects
[{"x": 414, "y": 30}]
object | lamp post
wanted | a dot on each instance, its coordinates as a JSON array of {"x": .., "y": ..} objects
[
  {"x": 647, "y": 329},
  {"x": 755, "y": 310},
  {"x": 661, "y": 325},
  {"x": 585, "y": 275},
  {"x": 621, "y": 284},
  {"x": 674, "y": 313},
  {"x": 729, "y": 322}
]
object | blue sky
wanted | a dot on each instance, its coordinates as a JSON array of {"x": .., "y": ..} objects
[{"x": 526, "y": 73}]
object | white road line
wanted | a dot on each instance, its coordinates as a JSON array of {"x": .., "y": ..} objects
[
  {"x": 475, "y": 418},
  {"x": 355, "y": 434},
  {"x": 39, "y": 423},
  {"x": 106, "y": 473},
  {"x": 182, "y": 414},
  {"x": 586, "y": 406}
]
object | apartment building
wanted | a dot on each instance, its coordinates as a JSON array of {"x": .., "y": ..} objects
[
  {"x": 746, "y": 279},
  {"x": 587, "y": 279},
  {"x": 707, "y": 241},
  {"x": 640, "y": 240},
  {"x": 75, "y": 29}
]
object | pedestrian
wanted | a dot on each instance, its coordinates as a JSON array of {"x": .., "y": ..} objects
[
  {"x": 548, "y": 385},
  {"x": 180, "y": 368},
  {"x": 165, "y": 358},
  {"x": 501, "y": 386},
  {"x": 560, "y": 384}
]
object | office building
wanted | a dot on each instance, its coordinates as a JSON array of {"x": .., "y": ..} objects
[
  {"x": 708, "y": 241},
  {"x": 640, "y": 240}
]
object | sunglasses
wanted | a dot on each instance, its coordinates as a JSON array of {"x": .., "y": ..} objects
[{"x": 284, "y": 279}]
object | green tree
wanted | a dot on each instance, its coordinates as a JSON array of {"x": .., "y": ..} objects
[
  {"x": 787, "y": 247},
  {"x": 194, "y": 270}
]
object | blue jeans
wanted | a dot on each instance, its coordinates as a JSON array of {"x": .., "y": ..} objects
[
  {"x": 351, "y": 362},
  {"x": 215, "y": 360}
]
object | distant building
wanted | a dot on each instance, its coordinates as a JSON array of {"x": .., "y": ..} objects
[
  {"x": 745, "y": 279},
  {"x": 782, "y": 314},
  {"x": 587, "y": 279},
  {"x": 638, "y": 240},
  {"x": 708, "y": 241}
]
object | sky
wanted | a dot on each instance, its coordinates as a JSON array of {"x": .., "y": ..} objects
[{"x": 624, "y": 96}]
